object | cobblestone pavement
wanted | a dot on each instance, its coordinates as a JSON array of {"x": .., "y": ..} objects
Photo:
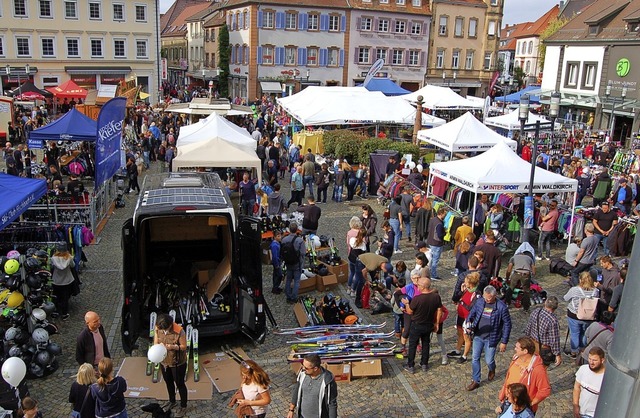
[{"x": 438, "y": 393}]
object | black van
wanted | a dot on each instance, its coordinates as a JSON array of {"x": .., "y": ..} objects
[{"x": 185, "y": 250}]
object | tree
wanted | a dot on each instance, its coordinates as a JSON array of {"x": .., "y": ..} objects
[
  {"x": 223, "y": 64},
  {"x": 554, "y": 25},
  {"x": 518, "y": 77}
]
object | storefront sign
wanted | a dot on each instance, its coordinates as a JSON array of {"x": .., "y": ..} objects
[
  {"x": 83, "y": 80},
  {"x": 111, "y": 79},
  {"x": 163, "y": 70},
  {"x": 461, "y": 181},
  {"x": 623, "y": 67}
]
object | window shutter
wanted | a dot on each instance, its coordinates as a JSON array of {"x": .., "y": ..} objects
[
  {"x": 392, "y": 26},
  {"x": 301, "y": 52},
  {"x": 305, "y": 20},
  {"x": 279, "y": 55},
  {"x": 405, "y": 57},
  {"x": 358, "y": 24},
  {"x": 425, "y": 26},
  {"x": 322, "y": 57},
  {"x": 260, "y": 13},
  {"x": 301, "y": 17},
  {"x": 279, "y": 20},
  {"x": 324, "y": 22},
  {"x": 375, "y": 25},
  {"x": 343, "y": 23},
  {"x": 422, "y": 58},
  {"x": 355, "y": 55},
  {"x": 259, "y": 55},
  {"x": 342, "y": 57}
]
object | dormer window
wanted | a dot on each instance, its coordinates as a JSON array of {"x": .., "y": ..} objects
[{"x": 594, "y": 29}]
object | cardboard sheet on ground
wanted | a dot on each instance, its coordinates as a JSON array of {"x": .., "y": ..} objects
[
  {"x": 223, "y": 371},
  {"x": 139, "y": 385}
]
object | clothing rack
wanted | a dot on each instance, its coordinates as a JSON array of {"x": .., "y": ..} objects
[{"x": 445, "y": 204}]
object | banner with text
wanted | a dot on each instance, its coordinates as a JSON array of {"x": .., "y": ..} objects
[{"x": 110, "y": 122}]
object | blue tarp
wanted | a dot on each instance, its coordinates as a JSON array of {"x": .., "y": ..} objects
[
  {"x": 16, "y": 195},
  {"x": 73, "y": 126},
  {"x": 386, "y": 86},
  {"x": 515, "y": 97}
]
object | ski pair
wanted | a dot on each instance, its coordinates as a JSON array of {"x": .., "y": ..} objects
[
  {"x": 327, "y": 328},
  {"x": 232, "y": 354},
  {"x": 192, "y": 345}
]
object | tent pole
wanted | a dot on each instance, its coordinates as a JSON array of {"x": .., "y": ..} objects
[
  {"x": 573, "y": 211},
  {"x": 475, "y": 204}
]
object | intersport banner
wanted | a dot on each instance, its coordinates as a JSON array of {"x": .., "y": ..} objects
[{"x": 108, "y": 144}]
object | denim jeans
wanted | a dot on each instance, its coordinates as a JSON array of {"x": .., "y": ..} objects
[
  {"x": 337, "y": 193},
  {"x": 436, "y": 252},
  {"x": 292, "y": 283},
  {"x": 407, "y": 226},
  {"x": 544, "y": 243},
  {"x": 395, "y": 225},
  {"x": 605, "y": 241},
  {"x": 277, "y": 277},
  {"x": 307, "y": 180},
  {"x": 398, "y": 322},
  {"x": 247, "y": 206},
  {"x": 352, "y": 273},
  {"x": 577, "y": 329},
  {"x": 145, "y": 157},
  {"x": 419, "y": 332},
  {"x": 480, "y": 344}
]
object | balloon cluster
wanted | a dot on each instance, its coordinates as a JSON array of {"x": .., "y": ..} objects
[{"x": 25, "y": 302}]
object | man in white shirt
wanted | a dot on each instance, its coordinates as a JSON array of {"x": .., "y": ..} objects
[{"x": 586, "y": 390}]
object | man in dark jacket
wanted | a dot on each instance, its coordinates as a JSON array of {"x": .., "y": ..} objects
[
  {"x": 490, "y": 324},
  {"x": 435, "y": 240},
  {"x": 91, "y": 344},
  {"x": 623, "y": 197},
  {"x": 311, "y": 217},
  {"x": 315, "y": 393}
]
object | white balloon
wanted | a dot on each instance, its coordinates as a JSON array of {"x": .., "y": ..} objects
[
  {"x": 13, "y": 371},
  {"x": 420, "y": 168},
  {"x": 412, "y": 165},
  {"x": 157, "y": 353}
]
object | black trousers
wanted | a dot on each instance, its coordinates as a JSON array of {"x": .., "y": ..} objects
[
  {"x": 174, "y": 376},
  {"x": 419, "y": 332},
  {"x": 62, "y": 294}
]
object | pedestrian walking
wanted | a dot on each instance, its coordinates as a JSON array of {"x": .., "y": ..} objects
[
  {"x": 276, "y": 262},
  {"x": 311, "y": 219},
  {"x": 255, "y": 389},
  {"x": 543, "y": 328},
  {"x": 132, "y": 175},
  {"x": 247, "y": 189},
  {"x": 108, "y": 392},
  {"x": 297, "y": 187},
  {"x": 61, "y": 265},
  {"x": 174, "y": 365},
  {"x": 577, "y": 327},
  {"x": 84, "y": 405},
  {"x": 465, "y": 299},
  {"x": 91, "y": 344},
  {"x": 586, "y": 389},
  {"x": 520, "y": 271},
  {"x": 323, "y": 181},
  {"x": 435, "y": 240},
  {"x": 315, "y": 393},
  {"x": 308, "y": 175},
  {"x": 396, "y": 222},
  {"x": 292, "y": 251}
]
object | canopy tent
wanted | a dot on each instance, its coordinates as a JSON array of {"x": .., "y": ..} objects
[
  {"x": 29, "y": 95},
  {"x": 29, "y": 87},
  {"x": 16, "y": 195},
  {"x": 386, "y": 86},
  {"x": 68, "y": 90},
  {"x": 436, "y": 97},
  {"x": 73, "y": 126},
  {"x": 511, "y": 122},
  {"x": 215, "y": 126},
  {"x": 319, "y": 105},
  {"x": 515, "y": 97},
  {"x": 216, "y": 152},
  {"x": 501, "y": 170},
  {"x": 464, "y": 134}
]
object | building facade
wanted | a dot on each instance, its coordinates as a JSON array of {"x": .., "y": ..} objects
[
  {"x": 464, "y": 45},
  {"x": 527, "y": 48},
  {"x": 92, "y": 42}
]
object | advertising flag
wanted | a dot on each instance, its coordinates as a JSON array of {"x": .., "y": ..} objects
[{"x": 108, "y": 144}]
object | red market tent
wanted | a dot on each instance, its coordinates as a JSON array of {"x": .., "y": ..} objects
[{"x": 69, "y": 89}]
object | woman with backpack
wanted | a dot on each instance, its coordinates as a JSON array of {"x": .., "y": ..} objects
[{"x": 579, "y": 297}]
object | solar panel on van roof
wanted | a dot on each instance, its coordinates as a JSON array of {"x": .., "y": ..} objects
[{"x": 183, "y": 195}]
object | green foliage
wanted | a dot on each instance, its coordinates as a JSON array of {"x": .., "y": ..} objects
[
  {"x": 554, "y": 25},
  {"x": 518, "y": 76},
  {"x": 356, "y": 147},
  {"x": 224, "y": 51}
]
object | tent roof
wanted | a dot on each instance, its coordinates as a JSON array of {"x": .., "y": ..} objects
[
  {"x": 500, "y": 170},
  {"x": 436, "y": 97},
  {"x": 321, "y": 105},
  {"x": 216, "y": 152},
  {"x": 510, "y": 120},
  {"x": 16, "y": 195},
  {"x": 464, "y": 134},
  {"x": 386, "y": 86},
  {"x": 214, "y": 126},
  {"x": 69, "y": 89},
  {"x": 73, "y": 126},
  {"x": 515, "y": 97},
  {"x": 28, "y": 86}
]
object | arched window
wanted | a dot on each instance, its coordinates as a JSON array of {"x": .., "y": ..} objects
[
  {"x": 527, "y": 67},
  {"x": 530, "y": 47}
]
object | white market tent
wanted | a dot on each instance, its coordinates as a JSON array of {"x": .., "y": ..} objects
[
  {"x": 216, "y": 126},
  {"x": 216, "y": 152},
  {"x": 501, "y": 170},
  {"x": 189, "y": 129},
  {"x": 321, "y": 105},
  {"x": 464, "y": 134},
  {"x": 436, "y": 97},
  {"x": 510, "y": 121}
]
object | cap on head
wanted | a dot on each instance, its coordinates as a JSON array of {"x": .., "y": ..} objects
[
  {"x": 61, "y": 247},
  {"x": 421, "y": 244}
]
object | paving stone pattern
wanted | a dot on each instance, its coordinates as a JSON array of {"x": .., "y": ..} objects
[{"x": 440, "y": 392}]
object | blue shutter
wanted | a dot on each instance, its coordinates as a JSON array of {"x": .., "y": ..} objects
[
  {"x": 260, "y": 13},
  {"x": 324, "y": 22},
  {"x": 304, "y": 56},
  {"x": 305, "y": 24},
  {"x": 279, "y": 20},
  {"x": 343, "y": 23},
  {"x": 301, "y": 52},
  {"x": 232, "y": 59},
  {"x": 301, "y": 17},
  {"x": 322, "y": 57},
  {"x": 279, "y": 55},
  {"x": 259, "y": 55},
  {"x": 342, "y": 57}
]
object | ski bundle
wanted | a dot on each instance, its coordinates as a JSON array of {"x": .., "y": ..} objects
[{"x": 331, "y": 310}]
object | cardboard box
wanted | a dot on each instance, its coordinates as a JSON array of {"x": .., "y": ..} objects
[
  {"x": 307, "y": 285},
  {"x": 341, "y": 271},
  {"x": 301, "y": 315},
  {"x": 203, "y": 270},
  {"x": 341, "y": 371},
  {"x": 366, "y": 368},
  {"x": 324, "y": 282}
]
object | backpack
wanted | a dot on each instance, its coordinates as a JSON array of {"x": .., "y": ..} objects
[
  {"x": 288, "y": 252},
  {"x": 587, "y": 308}
]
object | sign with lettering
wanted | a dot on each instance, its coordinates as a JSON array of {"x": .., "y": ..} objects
[{"x": 110, "y": 123}]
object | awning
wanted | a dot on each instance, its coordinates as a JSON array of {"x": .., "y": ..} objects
[
  {"x": 271, "y": 87},
  {"x": 16, "y": 195},
  {"x": 97, "y": 70}
]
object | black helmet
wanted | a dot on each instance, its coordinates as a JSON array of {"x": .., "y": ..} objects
[
  {"x": 31, "y": 252},
  {"x": 34, "y": 281},
  {"x": 43, "y": 357},
  {"x": 19, "y": 319},
  {"x": 54, "y": 349},
  {"x": 49, "y": 307},
  {"x": 36, "y": 370},
  {"x": 13, "y": 282},
  {"x": 41, "y": 255},
  {"x": 32, "y": 264},
  {"x": 21, "y": 337}
]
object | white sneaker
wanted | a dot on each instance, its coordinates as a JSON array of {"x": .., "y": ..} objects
[
  {"x": 538, "y": 258},
  {"x": 398, "y": 251},
  {"x": 445, "y": 360}
]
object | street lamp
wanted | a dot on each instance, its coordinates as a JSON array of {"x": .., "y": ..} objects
[
  {"x": 27, "y": 70},
  {"x": 523, "y": 115}
]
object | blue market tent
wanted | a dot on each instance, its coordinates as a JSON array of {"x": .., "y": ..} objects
[
  {"x": 386, "y": 86},
  {"x": 16, "y": 195},
  {"x": 515, "y": 97},
  {"x": 73, "y": 126}
]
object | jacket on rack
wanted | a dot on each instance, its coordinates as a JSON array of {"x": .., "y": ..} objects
[{"x": 423, "y": 216}]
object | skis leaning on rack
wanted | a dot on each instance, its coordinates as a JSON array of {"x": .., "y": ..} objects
[
  {"x": 152, "y": 332},
  {"x": 196, "y": 356}
]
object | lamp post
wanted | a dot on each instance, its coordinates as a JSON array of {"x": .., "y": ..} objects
[
  {"x": 523, "y": 115},
  {"x": 27, "y": 70},
  {"x": 506, "y": 90}
]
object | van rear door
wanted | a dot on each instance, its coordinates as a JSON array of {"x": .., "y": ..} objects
[
  {"x": 249, "y": 272},
  {"x": 131, "y": 320}
]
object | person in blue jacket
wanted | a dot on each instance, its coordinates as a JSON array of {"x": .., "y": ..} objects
[{"x": 489, "y": 323}]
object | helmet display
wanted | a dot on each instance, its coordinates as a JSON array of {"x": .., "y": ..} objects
[
  {"x": 49, "y": 307},
  {"x": 41, "y": 255},
  {"x": 13, "y": 254},
  {"x": 36, "y": 370},
  {"x": 4, "y": 294},
  {"x": 15, "y": 299},
  {"x": 43, "y": 357},
  {"x": 15, "y": 351},
  {"x": 54, "y": 349},
  {"x": 11, "y": 266},
  {"x": 40, "y": 336},
  {"x": 39, "y": 314},
  {"x": 21, "y": 337},
  {"x": 32, "y": 264},
  {"x": 31, "y": 252},
  {"x": 18, "y": 318},
  {"x": 10, "y": 334},
  {"x": 34, "y": 281},
  {"x": 13, "y": 282}
]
